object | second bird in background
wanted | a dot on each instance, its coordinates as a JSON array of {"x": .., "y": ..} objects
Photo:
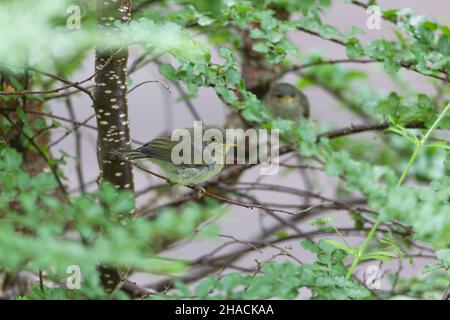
[{"x": 287, "y": 102}]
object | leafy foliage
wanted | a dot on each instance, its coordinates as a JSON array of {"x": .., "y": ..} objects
[
  {"x": 21, "y": 37},
  {"x": 325, "y": 278},
  {"x": 51, "y": 230},
  {"x": 36, "y": 220}
]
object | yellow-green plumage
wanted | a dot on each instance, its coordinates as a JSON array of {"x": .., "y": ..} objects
[{"x": 188, "y": 176}]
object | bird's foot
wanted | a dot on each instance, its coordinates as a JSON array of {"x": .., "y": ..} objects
[
  {"x": 200, "y": 192},
  {"x": 170, "y": 184}
]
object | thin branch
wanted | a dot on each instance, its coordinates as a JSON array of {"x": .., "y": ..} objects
[
  {"x": 69, "y": 83},
  {"x": 184, "y": 97},
  {"x": 41, "y": 281},
  {"x": 78, "y": 151},
  {"x": 327, "y": 62},
  {"x": 75, "y": 128},
  {"x": 79, "y": 124},
  {"x": 211, "y": 264},
  {"x": 187, "y": 101},
  {"x": 316, "y": 34},
  {"x": 354, "y": 129},
  {"x": 206, "y": 193},
  {"x": 3, "y": 137},
  {"x": 339, "y": 96},
  {"x": 135, "y": 291},
  {"x": 151, "y": 81},
  {"x": 446, "y": 295}
]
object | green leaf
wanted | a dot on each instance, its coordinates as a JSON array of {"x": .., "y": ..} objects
[
  {"x": 391, "y": 66},
  {"x": 444, "y": 45},
  {"x": 321, "y": 222},
  {"x": 308, "y": 245},
  {"x": 354, "y": 49},
  {"x": 444, "y": 256},
  {"x": 339, "y": 245},
  {"x": 261, "y": 47},
  {"x": 282, "y": 234},
  {"x": 168, "y": 71},
  {"x": 379, "y": 255}
]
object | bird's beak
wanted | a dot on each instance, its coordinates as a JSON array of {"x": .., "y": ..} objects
[{"x": 286, "y": 98}]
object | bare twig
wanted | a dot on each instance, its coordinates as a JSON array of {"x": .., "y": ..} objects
[
  {"x": 328, "y": 62},
  {"x": 215, "y": 196},
  {"x": 78, "y": 152},
  {"x": 41, "y": 281},
  {"x": 446, "y": 295},
  {"x": 166, "y": 86},
  {"x": 187, "y": 101},
  {"x": 353, "y": 129},
  {"x": 75, "y": 127}
]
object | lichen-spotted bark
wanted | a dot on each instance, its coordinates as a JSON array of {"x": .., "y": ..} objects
[
  {"x": 111, "y": 106},
  {"x": 111, "y": 109}
]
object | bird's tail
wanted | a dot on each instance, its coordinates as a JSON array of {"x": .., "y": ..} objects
[{"x": 129, "y": 154}]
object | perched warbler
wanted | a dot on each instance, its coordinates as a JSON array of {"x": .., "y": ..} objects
[
  {"x": 198, "y": 157},
  {"x": 287, "y": 102}
]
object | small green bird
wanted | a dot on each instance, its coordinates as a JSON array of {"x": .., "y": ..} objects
[
  {"x": 190, "y": 172},
  {"x": 287, "y": 102}
]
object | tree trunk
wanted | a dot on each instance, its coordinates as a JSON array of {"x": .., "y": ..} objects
[{"x": 111, "y": 109}]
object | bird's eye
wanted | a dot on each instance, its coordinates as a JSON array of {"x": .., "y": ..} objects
[
  {"x": 213, "y": 139},
  {"x": 279, "y": 96}
]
